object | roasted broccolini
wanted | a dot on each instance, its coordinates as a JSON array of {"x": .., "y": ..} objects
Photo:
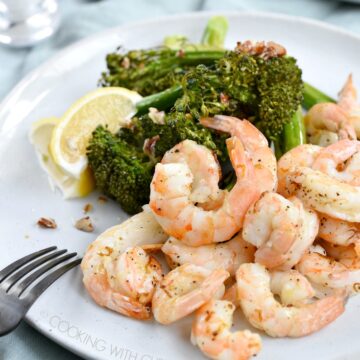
[{"x": 121, "y": 170}]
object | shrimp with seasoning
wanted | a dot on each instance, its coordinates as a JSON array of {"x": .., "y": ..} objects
[
  {"x": 211, "y": 333},
  {"x": 264, "y": 312},
  {"x": 205, "y": 168},
  {"x": 340, "y": 161},
  {"x": 228, "y": 255},
  {"x": 170, "y": 201},
  {"x": 128, "y": 285},
  {"x": 339, "y": 232},
  {"x": 346, "y": 255},
  {"x": 302, "y": 155},
  {"x": 282, "y": 230},
  {"x": 255, "y": 144},
  {"x": 292, "y": 287},
  {"x": 327, "y": 123},
  {"x": 324, "y": 194},
  {"x": 339, "y": 269},
  {"x": 184, "y": 289},
  {"x": 118, "y": 274}
]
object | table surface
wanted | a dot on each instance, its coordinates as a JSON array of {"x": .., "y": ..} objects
[{"x": 81, "y": 18}]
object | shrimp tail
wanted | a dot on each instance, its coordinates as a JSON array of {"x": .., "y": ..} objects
[
  {"x": 240, "y": 163},
  {"x": 185, "y": 289},
  {"x": 101, "y": 293},
  {"x": 348, "y": 95},
  {"x": 220, "y": 122},
  {"x": 319, "y": 314},
  {"x": 207, "y": 289}
]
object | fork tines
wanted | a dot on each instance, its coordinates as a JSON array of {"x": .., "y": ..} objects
[{"x": 35, "y": 265}]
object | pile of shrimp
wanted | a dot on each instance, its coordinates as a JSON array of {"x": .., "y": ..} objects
[{"x": 282, "y": 246}]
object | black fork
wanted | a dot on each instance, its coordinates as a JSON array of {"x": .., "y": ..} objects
[{"x": 14, "y": 281}]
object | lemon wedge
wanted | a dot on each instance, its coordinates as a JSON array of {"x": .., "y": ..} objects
[
  {"x": 112, "y": 107},
  {"x": 40, "y": 136}
]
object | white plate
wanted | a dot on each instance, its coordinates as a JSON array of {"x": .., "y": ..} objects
[{"x": 65, "y": 313}]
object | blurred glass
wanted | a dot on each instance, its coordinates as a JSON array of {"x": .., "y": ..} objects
[{"x": 26, "y": 22}]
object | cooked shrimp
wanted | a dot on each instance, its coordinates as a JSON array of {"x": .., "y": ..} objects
[
  {"x": 211, "y": 333},
  {"x": 129, "y": 283},
  {"x": 265, "y": 313},
  {"x": 326, "y": 123},
  {"x": 346, "y": 255},
  {"x": 228, "y": 255},
  {"x": 107, "y": 266},
  {"x": 231, "y": 295},
  {"x": 317, "y": 248},
  {"x": 324, "y": 194},
  {"x": 348, "y": 102},
  {"x": 302, "y": 155},
  {"x": 281, "y": 229},
  {"x": 322, "y": 138},
  {"x": 255, "y": 144},
  {"x": 340, "y": 161},
  {"x": 185, "y": 289},
  {"x": 348, "y": 95},
  {"x": 181, "y": 218},
  {"x": 292, "y": 287},
  {"x": 204, "y": 168},
  {"x": 327, "y": 272},
  {"x": 339, "y": 232}
]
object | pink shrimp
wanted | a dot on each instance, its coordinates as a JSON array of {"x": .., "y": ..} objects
[
  {"x": 211, "y": 333},
  {"x": 181, "y": 218},
  {"x": 255, "y": 143},
  {"x": 266, "y": 313},
  {"x": 282, "y": 230}
]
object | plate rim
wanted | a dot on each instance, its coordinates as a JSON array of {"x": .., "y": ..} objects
[{"x": 16, "y": 91}]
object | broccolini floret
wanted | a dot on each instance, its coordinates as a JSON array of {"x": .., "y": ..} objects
[
  {"x": 264, "y": 90},
  {"x": 177, "y": 127},
  {"x": 121, "y": 170},
  {"x": 281, "y": 93}
]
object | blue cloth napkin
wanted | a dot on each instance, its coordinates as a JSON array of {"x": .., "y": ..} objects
[{"x": 82, "y": 18}]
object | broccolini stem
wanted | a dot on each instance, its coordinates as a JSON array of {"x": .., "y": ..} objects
[
  {"x": 277, "y": 148},
  {"x": 196, "y": 57},
  {"x": 183, "y": 58},
  {"x": 215, "y": 32},
  {"x": 166, "y": 99},
  {"x": 161, "y": 101},
  {"x": 294, "y": 133},
  {"x": 314, "y": 96}
]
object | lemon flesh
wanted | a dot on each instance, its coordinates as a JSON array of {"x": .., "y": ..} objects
[
  {"x": 40, "y": 136},
  {"x": 112, "y": 107}
]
